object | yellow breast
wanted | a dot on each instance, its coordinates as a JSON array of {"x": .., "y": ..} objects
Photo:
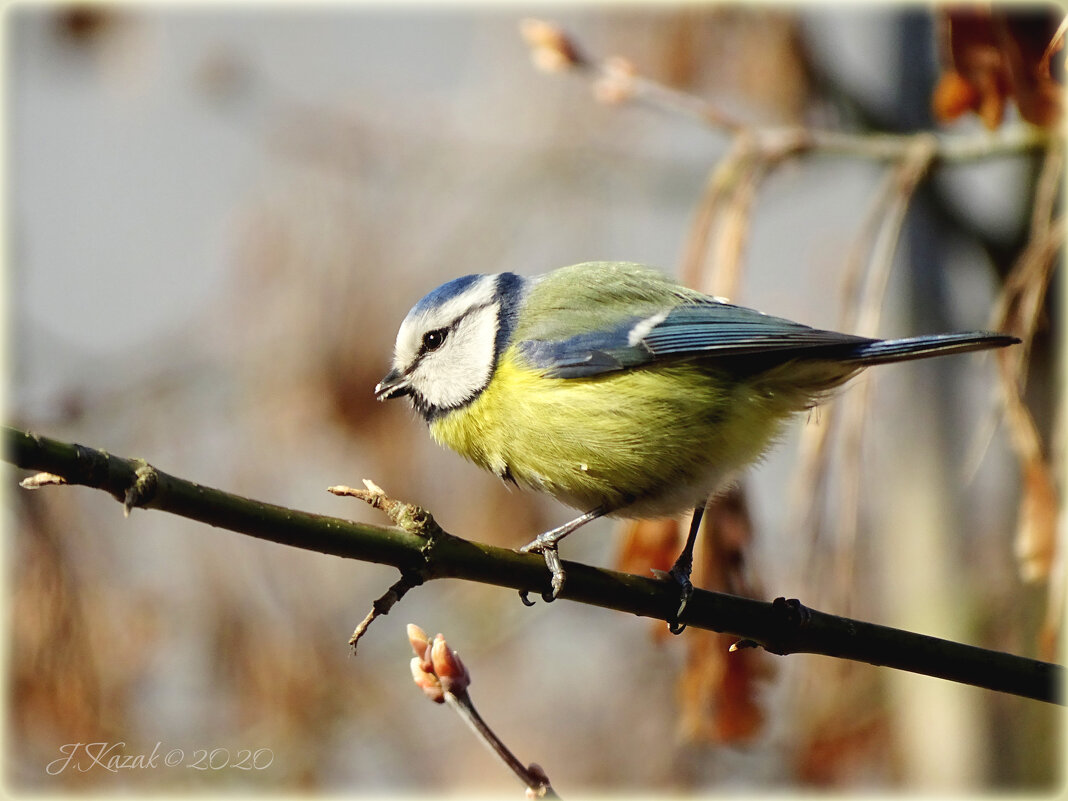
[{"x": 652, "y": 441}]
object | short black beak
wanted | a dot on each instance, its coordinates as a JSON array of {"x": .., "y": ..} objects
[{"x": 394, "y": 385}]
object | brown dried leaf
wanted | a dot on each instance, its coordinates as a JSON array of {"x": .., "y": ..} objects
[
  {"x": 1029, "y": 38},
  {"x": 728, "y": 530},
  {"x": 840, "y": 745},
  {"x": 953, "y": 95},
  {"x": 1054, "y": 47},
  {"x": 992, "y": 56},
  {"x": 1036, "y": 525},
  {"x": 720, "y": 556},
  {"x": 649, "y": 545},
  {"x": 717, "y": 691},
  {"x": 974, "y": 55}
]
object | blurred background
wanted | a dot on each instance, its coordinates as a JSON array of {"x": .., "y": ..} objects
[{"x": 216, "y": 219}]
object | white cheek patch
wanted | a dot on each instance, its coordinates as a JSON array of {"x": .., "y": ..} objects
[{"x": 454, "y": 374}]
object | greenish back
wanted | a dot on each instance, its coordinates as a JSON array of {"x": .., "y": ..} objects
[{"x": 593, "y": 295}]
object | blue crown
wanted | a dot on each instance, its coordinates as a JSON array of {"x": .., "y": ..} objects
[{"x": 444, "y": 292}]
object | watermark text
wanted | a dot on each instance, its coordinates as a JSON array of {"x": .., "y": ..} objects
[{"x": 114, "y": 757}]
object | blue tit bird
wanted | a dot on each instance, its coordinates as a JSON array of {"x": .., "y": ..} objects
[{"x": 617, "y": 390}]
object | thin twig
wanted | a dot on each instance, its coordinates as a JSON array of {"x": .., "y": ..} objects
[
  {"x": 412, "y": 518},
  {"x": 555, "y": 51},
  {"x": 906, "y": 179},
  {"x": 1020, "y": 310},
  {"x": 382, "y": 605},
  {"x": 657, "y": 95},
  {"x": 530, "y": 776},
  {"x": 863, "y": 300},
  {"x": 722, "y": 220},
  {"x": 1048, "y": 189}
]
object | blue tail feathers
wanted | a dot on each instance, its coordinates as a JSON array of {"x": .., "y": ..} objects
[{"x": 899, "y": 350}]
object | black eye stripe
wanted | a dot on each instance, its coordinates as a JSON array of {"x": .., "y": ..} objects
[{"x": 438, "y": 335}]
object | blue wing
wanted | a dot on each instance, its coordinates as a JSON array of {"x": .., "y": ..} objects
[{"x": 703, "y": 330}]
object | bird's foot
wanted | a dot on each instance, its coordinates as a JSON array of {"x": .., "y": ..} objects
[
  {"x": 680, "y": 575},
  {"x": 552, "y": 561},
  {"x": 546, "y": 545}
]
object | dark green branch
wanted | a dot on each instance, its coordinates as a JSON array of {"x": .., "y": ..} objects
[{"x": 782, "y": 627}]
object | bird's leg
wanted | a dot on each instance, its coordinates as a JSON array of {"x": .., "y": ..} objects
[
  {"x": 680, "y": 571},
  {"x": 546, "y": 545}
]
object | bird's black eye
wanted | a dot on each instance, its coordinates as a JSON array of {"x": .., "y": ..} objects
[{"x": 432, "y": 340}]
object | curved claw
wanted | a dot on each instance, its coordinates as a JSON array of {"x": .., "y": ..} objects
[
  {"x": 677, "y": 626},
  {"x": 687, "y": 591},
  {"x": 552, "y": 561},
  {"x": 546, "y": 545},
  {"x": 546, "y": 596},
  {"x": 680, "y": 577}
]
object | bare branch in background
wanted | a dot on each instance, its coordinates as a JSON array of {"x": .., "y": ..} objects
[
  {"x": 861, "y": 314},
  {"x": 554, "y": 51},
  {"x": 715, "y": 248}
]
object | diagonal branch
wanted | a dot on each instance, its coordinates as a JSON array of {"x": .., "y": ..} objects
[
  {"x": 781, "y": 627},
  {"x": 616, "y": 80}
]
